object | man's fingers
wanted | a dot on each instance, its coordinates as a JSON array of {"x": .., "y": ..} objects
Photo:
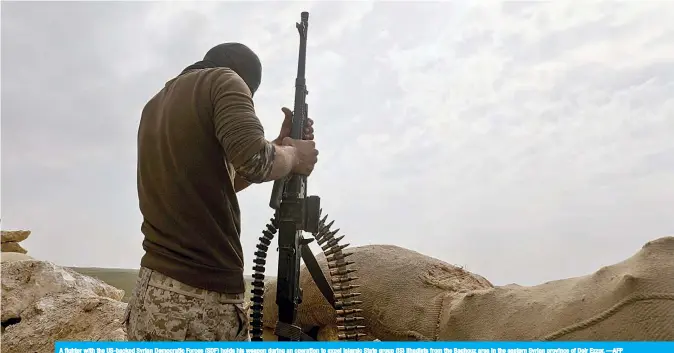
[
  {"x": 288, "y": 113},
  {"x": 309, "y": 130}
]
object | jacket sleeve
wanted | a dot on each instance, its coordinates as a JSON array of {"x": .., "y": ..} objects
[{"x": 238, "y": 128}]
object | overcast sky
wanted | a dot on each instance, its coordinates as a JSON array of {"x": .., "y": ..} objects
[{"x": 525, "y": 141}]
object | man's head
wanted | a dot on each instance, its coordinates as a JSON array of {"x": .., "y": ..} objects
[{"x": 237, "y": 57}]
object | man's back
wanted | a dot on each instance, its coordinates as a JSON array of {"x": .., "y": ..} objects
[
  {"x": 199, "y": 142},
  {"x": 185, "y": 184}
]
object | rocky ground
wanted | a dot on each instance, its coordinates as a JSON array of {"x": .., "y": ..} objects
[{"x": 43, "y": 302}]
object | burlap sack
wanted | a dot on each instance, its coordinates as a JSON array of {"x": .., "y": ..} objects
[
  {"x": 13, "y": 256},
  {"x": 12, "y": 247},
  {"x": 631, "y": 300},
  {"x": 410, "y": 296},
  {"x": 402, "y": 293},
  {"x": 15, "y": 236}
]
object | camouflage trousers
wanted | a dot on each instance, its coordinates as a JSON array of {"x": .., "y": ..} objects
[{"x": 163, "y": 309}]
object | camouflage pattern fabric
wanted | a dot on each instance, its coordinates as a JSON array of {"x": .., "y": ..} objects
[
  {"x": 257, "y": 168},
  {"x": 163, "y": 309}
]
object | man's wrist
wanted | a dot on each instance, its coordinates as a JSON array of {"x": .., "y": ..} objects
[
  {"x": 292, "y": 153},
  {"x": 294, "y": 159}
]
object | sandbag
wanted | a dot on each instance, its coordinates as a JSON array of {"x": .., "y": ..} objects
[
  {"x": 13, "y": 256},
  {"x": 410, "y": 296},
  {"x": 631, "y": 300},
  {"x": 402, "y": 293},
  {"x": 15, "y": 236},
  {"x": 12, "y": 247}
]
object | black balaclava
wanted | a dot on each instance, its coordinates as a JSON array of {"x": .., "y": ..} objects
[{"x": 235, "y": 56}]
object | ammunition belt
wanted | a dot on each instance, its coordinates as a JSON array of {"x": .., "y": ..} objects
[{"x": 349, "y": 324}]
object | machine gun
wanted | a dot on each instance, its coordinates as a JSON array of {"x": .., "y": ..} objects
[{"x": 295, "y": 212}]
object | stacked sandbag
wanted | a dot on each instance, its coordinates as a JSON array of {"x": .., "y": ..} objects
[{"x": 11, "y": 240}]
